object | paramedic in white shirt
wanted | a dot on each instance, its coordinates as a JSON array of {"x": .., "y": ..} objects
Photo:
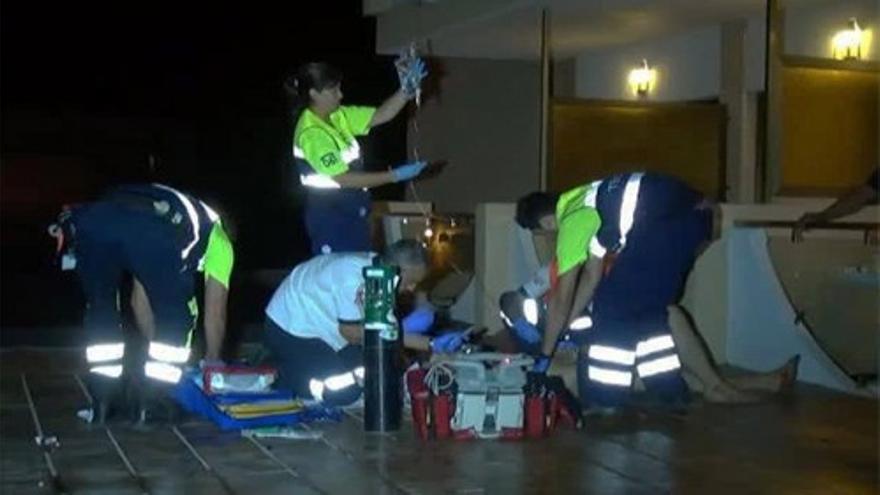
[{"x": 314, "y": 323}]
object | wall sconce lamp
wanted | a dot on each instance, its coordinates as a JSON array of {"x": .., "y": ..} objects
[
  {"x": 642, "y": 78},
  {"x": 847, "y": 44}
]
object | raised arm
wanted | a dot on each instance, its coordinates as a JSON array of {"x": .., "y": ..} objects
[
  {"x": 389, "y": 109},
  {"x": 411, "y": 71},
  {"x": 849, "y": 203}
]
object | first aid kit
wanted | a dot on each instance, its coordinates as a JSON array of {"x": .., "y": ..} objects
[{"x": 487, "y": 396}]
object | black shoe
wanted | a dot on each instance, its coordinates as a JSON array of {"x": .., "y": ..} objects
[
  {"x": 156, "y": 407},
  {"x": 133, "y": 393},
  {"x": 107, "y": 399}
]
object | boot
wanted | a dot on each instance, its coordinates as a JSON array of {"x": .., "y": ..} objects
[
  {"x": 107, "y": 399},
  {"x": 156, "y": 406}
]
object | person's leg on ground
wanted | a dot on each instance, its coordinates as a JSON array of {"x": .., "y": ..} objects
[
  {"x": 311, "y": 369},
  {"x": 685, "y": 236},
  {"x": 656, "y": 264},
  {"x": 773, "y": 381},
  {"x": 605, "y": 366},
  {"x": 154, "y": 258},
  {"x": 648, "y": 275},
  {"x": 698, "y": 368},
  {"x": 352, "y": 357},
  {"x": 657, "y": 361},
  {"x": 99, "y": 267}
]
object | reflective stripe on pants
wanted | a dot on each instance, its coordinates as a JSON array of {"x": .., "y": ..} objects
[
  {"x": 607, "y": 367},
  {"x": 165, "y": 362},
  {"x": 335, "y": 383}
]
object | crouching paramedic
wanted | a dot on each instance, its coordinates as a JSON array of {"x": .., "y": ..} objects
[
  {"x": 638, "y": 234},
  {"x": 162, "y": 237},
  {"x": 314, "y": 325}
]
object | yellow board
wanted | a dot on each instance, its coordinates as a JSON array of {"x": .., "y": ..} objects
[
  {"x": 593, "y": 139},
  {"x": 262, "y": 408},
  {"x": 829, "y": 129}
]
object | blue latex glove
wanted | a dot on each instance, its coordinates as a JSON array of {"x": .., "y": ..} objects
[
  {"x": 408, "y": 170},
  {"x": 419, "y": 321},
  {"x": 526, "y": 331},
  {"x": 542, "y": 364},
  {"x": 566, "y": 344},
  {"x": 448, "y": 342},
  {"x": 410, "y": 72}
]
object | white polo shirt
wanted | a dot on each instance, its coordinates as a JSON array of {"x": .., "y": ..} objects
[{"x": 319, "y": 294}]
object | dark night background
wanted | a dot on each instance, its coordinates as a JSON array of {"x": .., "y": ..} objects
[{"x": 91, "y": 91}]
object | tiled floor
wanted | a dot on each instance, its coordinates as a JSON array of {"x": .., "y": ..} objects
[{"x": 812, "y": 441}]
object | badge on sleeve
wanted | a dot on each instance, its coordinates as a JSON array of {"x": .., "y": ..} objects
[{"x": 329, "y": 159}]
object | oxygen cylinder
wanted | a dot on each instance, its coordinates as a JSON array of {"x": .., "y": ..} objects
[{"x": 383, "y": 399}]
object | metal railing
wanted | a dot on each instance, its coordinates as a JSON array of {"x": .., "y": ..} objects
[{"x": 870, "y": 230}]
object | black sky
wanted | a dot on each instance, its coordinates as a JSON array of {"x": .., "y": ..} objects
[
  {"x": 163, "y": 57},
  {"x": 107, "y": 85},
  {"x": 89, "y": 90}
]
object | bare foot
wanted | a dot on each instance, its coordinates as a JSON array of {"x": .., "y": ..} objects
[
  {"x": 723, "y": 393},
  {"x": 775, "y": 381}
]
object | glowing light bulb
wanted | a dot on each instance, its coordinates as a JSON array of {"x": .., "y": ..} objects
[
  {"x": 642, "y": 78},
  {"x": 847, "y": 44}
]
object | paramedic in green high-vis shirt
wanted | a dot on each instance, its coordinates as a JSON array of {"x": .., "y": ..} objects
[
  {"x": 162, "y": 237},
  {"x": 329, "y": 160}
]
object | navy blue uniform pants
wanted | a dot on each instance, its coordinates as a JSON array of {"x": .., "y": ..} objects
[
  {"x": 310, "y": 368},
  {"x": 630, "y": 336},
  {"x": 338, "y": 220},
  {"x": 112, "y": 240}
]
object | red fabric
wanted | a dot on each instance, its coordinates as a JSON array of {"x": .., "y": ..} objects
[
  {"x": 419, "y": 395},
  {"x": 442, "y": 415},
  {"x": 535, "y": 416}
]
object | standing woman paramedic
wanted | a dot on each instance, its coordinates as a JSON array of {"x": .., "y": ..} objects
[{"x": 328, "y": 158}]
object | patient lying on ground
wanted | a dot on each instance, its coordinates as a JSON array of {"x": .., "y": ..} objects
[{"x": 523, "y": 314}]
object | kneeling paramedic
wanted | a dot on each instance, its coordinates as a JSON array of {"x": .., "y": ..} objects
[
  {"x": 314, "y": 324},
  {"x": 639, "y": 234},
  {"x": 162, "y": 237},
  {"x": 524, "y": 313}
]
